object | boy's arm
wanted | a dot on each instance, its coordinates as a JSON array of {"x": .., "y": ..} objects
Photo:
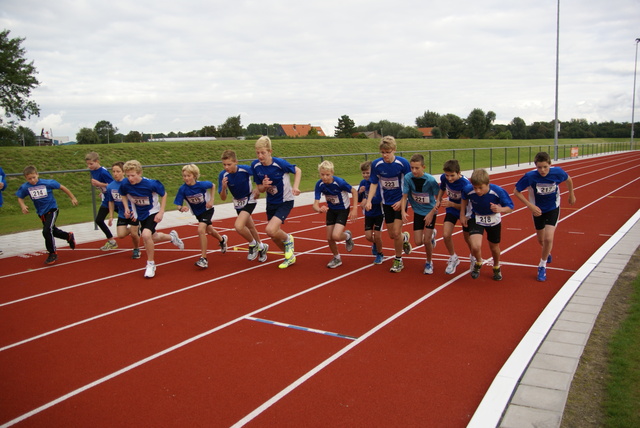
[
  {"x": 163, "y": 203},
  {"x": 111, "y": 209},
  {"x": 572, "y": 196},
  {"x": 403, "y": 207},
  {"x": 223, "y": 189},
  {"x": 23, "y": 206},
  {"x": 534, "y": 209},
  {"x": 74, "y": 201},
  {"x": 125, "y": 202},
  {"x": 353, "y": 214},
  {"x": 316, "y": 206},
  {"x": 212, "y": 196},
  {"x": 372, "y": 191},
  {"x": 463, "y": 212},
  {"x": 296, "y": 182}
]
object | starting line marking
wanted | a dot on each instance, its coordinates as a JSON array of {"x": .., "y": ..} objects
[{"x": 297, "y": 327}]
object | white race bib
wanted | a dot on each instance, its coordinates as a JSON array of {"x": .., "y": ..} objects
[
  {"x": 488, "y": 219},
  {"x": 38, "y": 192},
  {"x": 240, "y": 203},
  {"x": 389, "y": 183}
]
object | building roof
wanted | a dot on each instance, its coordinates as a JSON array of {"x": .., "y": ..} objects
[
  {"x": 426, "y": 132},
  {"x": 300, "y": 130}
]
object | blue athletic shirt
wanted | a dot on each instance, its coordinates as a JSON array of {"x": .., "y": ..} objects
[
  {"x": 113, "y": 195},
  {"x": 144, "y": 196},
  {"x": 543, "y": 191},
  {"x": 239, "y": 185},
  {"x": 481, "y": 205},
  {"x": 41, "y": 194},
  {"x": 336, "y": 194},
  {"x": 4, "y": 181},
  {"x": 103, "y": 175},
  {"x": 453, "y": 192},
  {"x": 281, "y": 189},
  {"x": 196, "y": 196},
  {"x": 422, "y": 200},
  {"x": 376, "y": 208},
  {"x": 389, "y": 177}
]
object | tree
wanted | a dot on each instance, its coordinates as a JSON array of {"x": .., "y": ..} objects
[
  {"x": 457, "y": 126},
  {"x": 133, "y": 137},
  {"x": 477, "y": 123},
  {"x": 26, "y": 137},
  {"x": 443, "y": 124},
  {"x": 87, "y": 136},
  {"x": 346, "y": 127},
  {"x": 17, "y": 79},
  {"x": 410, "y": 132},
  {"x": 106, "y": 132},
  {"x": 231, "y": 127},
  {"x": 208, "y": 131},
  {"x": 428, "y": 120},
  {"x": 518, "y": 128}
]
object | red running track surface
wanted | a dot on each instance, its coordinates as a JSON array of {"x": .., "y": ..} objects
[{"x": 89, "y": 342}]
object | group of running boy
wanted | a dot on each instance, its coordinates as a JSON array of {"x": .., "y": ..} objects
[{"x": 389, "y": 186}]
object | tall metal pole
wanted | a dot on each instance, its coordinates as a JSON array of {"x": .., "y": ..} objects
[
  {"x": 633, "y": 103},
  {"x": 555, "y": 131}
]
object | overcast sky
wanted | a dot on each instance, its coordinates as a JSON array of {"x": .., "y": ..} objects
[{"x": 161, "y": 66}]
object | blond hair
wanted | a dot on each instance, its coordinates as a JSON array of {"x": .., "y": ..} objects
[
  {"x": 92, "y": 156},
  {"x": 263, "y": 142},
  {"x": 388, "y": 143},
  {"x": 132, "y": 165},
  {"x": 192, "y": 169},
  {"x": 479, "y": 177},
  {"x": 326, "y": 166}
]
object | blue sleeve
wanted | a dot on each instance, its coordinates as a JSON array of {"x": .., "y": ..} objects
[
  {"x": 523, "y": 183},
  {"x": 505, "y": 199},
  {"x": 344, "y": 185},
  {"x": 406, "y": 187},
  {"x": 4, "y": 179},
  {"x": 158, "y": 187},
  {"x": 179, "y": 199},
  {"x": 220, "y": 177},
  {"x": 318, "y": 191}
]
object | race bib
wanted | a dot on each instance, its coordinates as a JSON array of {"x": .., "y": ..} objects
[
  {"x": 116, "y": 196},
  {"x": 38, "y": 192},
  {"x": 452, "y": 194},
  {"x": 546, "y": 188},
  {"x": 332, "y": 199},
  {"x": 196, "y": 199},
  {"x": 389, "y": 183},
  {"x": 421, "y": 198},
  {"x": 488, "y": 219},
  {"x": 140, "y": 201},
  {"x": 240, "y": 203},
  {"x": 272, "y": 190}
]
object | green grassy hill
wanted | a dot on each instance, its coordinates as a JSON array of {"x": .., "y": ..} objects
[{"x": 346, "y": 154}]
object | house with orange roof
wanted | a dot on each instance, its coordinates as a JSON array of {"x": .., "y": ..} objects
[
  {"x": 295, "y": 130},
  {"x": 426, "y": 132}
]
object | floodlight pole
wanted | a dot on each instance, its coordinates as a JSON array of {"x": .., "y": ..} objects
[
  {"x": 633, "y": 103},
  {"x": 555, "y": 131}
]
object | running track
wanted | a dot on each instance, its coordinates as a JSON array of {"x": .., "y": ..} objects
[{"x": 89, "y": 342}]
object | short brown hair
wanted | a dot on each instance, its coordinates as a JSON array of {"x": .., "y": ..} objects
[
  {"x": 92, "y": 156},
  {"x": 452, "y": 165},
  {"x": 229, "y": 155},
  {"x": 542, "y": 157},
  {"x": 366, "y": 165},
  {"x": 417, "y": 157},
  {"x": 29, "y": 170}
]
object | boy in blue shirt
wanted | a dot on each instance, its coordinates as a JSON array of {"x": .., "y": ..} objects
[
  {"x": 100, "y": 178},
  {"x": 237, "y": 179},
  {"x": 41, "y": 193},
  {"x": 338, "y": 209},
  {"x": 124, "y": 226},
  {"x": 273, "y": 176},
  {"x": 3, "y": 185},
  {"x": 372, "y": 218},
  {"x": 451, "y": 184},
  {"x": 421, "y": 191},
  {"x": 544, "y": 203},
  {"x": 199, "y": 197},
  {"x": 388, "y": 172},
  {"x": 488, "y": 202},
  {"x": 144, "y": 199}
]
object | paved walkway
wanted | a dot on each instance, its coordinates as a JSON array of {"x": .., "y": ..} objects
[{"x": 528, "y": 391}]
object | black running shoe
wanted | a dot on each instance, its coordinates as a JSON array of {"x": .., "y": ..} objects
[
  {"x": 51, "y": 259},
  {"x": 72, "y": 241}
]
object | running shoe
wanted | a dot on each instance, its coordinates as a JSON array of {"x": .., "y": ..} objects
[
  {"x": 136, "y": 253},
  {"x": 452, "y": 264},
  {"x": 542, "y": 273},
  {"x": 175, "y": 240},
  {"x": 109, "y": 246},
  {"x": 223, "y": 244},
  {"x": 549, "y": 258},
  {"x": 374, "y": 249},
  {"x": 406, "y": 245},
  {"x": 203, "y": 263},
  {"x": 349, "y": 242},
  {"x": 150, "y": 271},
  {"x": 252, "y": 252},
  {"x": 379, "y": 259},
  {"x": 397, "y": 265},
  {"x": 428, "y": 268},
  {"x": 287, "y": 262},
  {"x": 51, "y": 259},
  {"x": 288, "y": 247},
  {"x": 263, "y": 253},
  {"x": 334, "y": 263},
  {"x": 497, "y": 274},
  {"x": 433, "y": 239},
  {"x": 475, "y": 271},
  {"x": 71, "y": 241}
]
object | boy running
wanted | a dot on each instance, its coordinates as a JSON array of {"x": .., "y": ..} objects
[
  {"x": 373, "y": 218},
  {"x": 100, "y": 179},
  {"x": 124, "y": 226},
  {"x": 388, "y": 172},
  {"x": 544, "y": 203}
]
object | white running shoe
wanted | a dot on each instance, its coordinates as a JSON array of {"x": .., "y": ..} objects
[
  {"x": 150, "y": 271},
  {"x": 349, "y": 242},
  {"x": 334, "y": 263},
  {"x": 263, "y": 253},
  {"x": 175, "y": 240},
  {"x": 223, "y": 244},
  {"x": 406, "y": 245},
  {"x": 253, "y": 252},
  {"x": 452, "y": 264}
]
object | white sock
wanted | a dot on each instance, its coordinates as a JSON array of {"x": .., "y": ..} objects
[{"x": 543, "y": 263}]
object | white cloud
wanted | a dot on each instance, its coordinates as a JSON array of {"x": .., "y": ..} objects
[{"x": 161, "y": 66}]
